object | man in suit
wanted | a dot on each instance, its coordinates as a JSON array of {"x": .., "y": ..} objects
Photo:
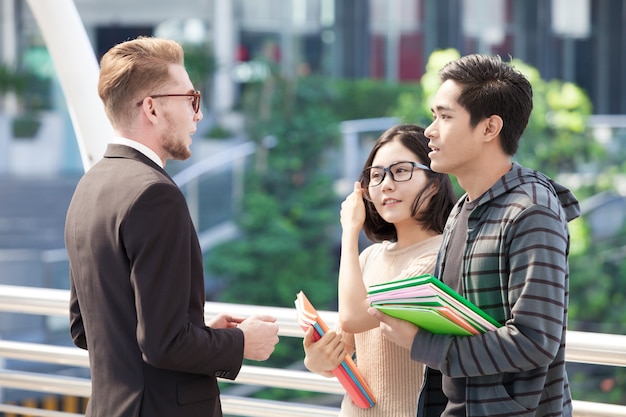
[{"x": 137, "y": 287}]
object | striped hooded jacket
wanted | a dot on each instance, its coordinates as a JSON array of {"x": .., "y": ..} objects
[{"x": 515, "y": 268}]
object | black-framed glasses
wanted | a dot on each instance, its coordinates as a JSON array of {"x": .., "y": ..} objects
[
  {"x": 195, "y": 101},
  {"x": 399, "y": 171}
]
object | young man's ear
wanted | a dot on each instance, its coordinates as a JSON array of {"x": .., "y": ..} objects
[{"x": 492, "y": 126}]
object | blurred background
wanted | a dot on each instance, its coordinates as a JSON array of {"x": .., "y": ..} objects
[{"x": 295, "y": 92}]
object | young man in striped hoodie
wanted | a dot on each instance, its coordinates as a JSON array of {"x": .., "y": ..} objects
[{"x": 505, "y": 248}]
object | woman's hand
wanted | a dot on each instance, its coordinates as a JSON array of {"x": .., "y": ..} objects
[
  {"x": 324, "y": 355},
  {"x": 353, "y": 210}
]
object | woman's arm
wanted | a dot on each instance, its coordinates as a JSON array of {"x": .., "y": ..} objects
[{"x": 352, "y": 294}]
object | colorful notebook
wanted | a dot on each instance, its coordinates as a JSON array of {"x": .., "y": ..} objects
[
  {"x": 347, "y": 373},
  {"x": 432, "y": 305}
]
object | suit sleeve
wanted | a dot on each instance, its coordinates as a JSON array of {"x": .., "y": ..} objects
[
  {"x": 168, "y": 285},
  {"x": 77, "y": 330}
]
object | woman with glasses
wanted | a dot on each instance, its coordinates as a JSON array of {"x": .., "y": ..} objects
[{"x": 402, "y": 206}]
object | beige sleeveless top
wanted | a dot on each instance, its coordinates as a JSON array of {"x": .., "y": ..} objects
[{"x": 395, "y": 380}]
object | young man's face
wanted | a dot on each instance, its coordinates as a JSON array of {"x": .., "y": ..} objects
[{"x": 455, "y": 145}]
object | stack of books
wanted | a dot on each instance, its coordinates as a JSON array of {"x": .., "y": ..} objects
[
  {"x": 430, "y": 304},
  {"x": 347, "y": 373}
]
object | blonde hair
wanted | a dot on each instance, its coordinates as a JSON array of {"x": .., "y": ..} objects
[{"x": 132, "y": 70}]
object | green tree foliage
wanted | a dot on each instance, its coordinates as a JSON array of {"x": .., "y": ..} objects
[
  {"x": 288, "y": 224},
  {"x": 597, "y": 304},
  {"x": 6, "y": 79},
  {"x": 597, "y": 288},
  {"x": 557, "y": 139},
  {"x": 12, "y": 81},
  {"x": 31, "y": 89},
  {"x": 369, "y": 98},
  {"x": 200, "y": 64},
  {"x": 33, "y": 94}
]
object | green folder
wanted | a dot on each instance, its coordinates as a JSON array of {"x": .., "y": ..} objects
[
  {"x": 430, "y": 304},
  {"x": 425, "y": 318}
]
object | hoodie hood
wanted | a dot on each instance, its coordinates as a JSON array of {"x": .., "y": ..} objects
[{"x": 527, "y": 178}]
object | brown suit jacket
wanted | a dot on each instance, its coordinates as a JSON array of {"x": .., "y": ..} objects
[{"x": 137, "y": 294}]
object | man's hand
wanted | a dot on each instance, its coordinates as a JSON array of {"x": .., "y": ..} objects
[
  {"x": 400, "y": 332},
  {"x": 225, "y": 321},
  {"x": 260, "y": 336}
]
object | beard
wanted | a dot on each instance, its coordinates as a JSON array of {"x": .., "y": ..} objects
[{"x": 174, "y": 145}]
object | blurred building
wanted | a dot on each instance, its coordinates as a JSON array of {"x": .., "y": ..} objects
[{"x": 574, "y": 40}]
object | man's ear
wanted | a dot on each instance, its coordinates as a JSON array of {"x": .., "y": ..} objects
[
  {"x": 148, "y": 108},
  {"x": 492, "y": 126}
]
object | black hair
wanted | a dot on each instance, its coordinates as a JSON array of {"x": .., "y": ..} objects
[
  {"x": 442, "y": 197},
  {"x": 490, "y": 87}
]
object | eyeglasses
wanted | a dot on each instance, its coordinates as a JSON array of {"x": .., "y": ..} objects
[
  {"x": 195, "y": 101},
  {"x": 399, "y": 171}
]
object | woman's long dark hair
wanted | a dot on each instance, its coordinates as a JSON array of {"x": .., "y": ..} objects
[{"x": 442, "y": 196}]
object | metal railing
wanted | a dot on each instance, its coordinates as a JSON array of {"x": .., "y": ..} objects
[
  {"x": 231, "y": 160},
  {"x": 593, "y": 348}
]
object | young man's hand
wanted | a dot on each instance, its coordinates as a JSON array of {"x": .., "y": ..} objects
[{"x": 400, "y": 332}]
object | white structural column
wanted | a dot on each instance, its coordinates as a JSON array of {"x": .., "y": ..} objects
[
  {"x": 8, "y": 39},
  {"x": 77, "y": 68},
  {"x": 224, "y": 46},
  {"x": 8, "y": 47}
]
